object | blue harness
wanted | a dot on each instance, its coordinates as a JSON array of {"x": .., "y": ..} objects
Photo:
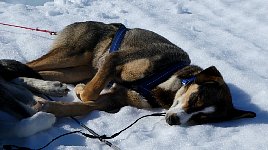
[
  {"x": 118, "y": 38},
  {"x": 187, "y": 81},
  {"x": 144, "y": 86}
]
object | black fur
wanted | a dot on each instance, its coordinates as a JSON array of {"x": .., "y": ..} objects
[
  {"x": 10, "y": 69},
  {"x": 10, "y": 100}
]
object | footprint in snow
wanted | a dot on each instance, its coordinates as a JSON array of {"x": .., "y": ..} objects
[
  {"x": 182, "y": 9},
  {"x": 123, "y": 11},
  {"x": 109, "y": 16},
  {"x": 53, "y": 13}
]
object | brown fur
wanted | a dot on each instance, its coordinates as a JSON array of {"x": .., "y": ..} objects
[{"x": 80, "y": 53}]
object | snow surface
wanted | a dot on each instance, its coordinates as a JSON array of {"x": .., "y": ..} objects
[{"x": 230, "y": 34}]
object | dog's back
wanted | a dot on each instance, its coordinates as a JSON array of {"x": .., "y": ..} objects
[{"x": 81, "y": 48}]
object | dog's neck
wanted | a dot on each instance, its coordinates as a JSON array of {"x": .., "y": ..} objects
[{"x": 165, "y": 92}]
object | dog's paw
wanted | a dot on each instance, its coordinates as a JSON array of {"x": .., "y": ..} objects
[
  {"x": 55, "y": 88},
  {"x": 79, "y": 88},
  {"x": 40, "y": 105},
  {"x": 46, "y": 106},
  {"x": 38, "y": 122},
  {"x": 49, "y": 107},
  {"x": 51, "y": 88}
]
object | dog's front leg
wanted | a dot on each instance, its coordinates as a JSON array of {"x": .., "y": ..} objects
[
  {"x": 64, "y": 109},
  {"x": 104, "y": 75},
  {"x": 105, "y": 102}
]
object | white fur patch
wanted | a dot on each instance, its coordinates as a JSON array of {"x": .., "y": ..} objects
[
  {"x": 184, "y": 117},
  {"x": 173, "y": 84},
  {"x": 38, "y": 122}
]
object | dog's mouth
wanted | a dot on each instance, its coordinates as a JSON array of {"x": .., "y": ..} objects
[{"x": 172, "y": 119}]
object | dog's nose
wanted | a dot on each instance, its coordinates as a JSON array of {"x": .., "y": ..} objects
[{"x": 172, "y": 119}]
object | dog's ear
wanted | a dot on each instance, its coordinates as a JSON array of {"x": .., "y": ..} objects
[
  {"x": 208, "y": 75},
  {"x": 237, "y": 114}
]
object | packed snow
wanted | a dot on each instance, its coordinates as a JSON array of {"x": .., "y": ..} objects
[{"x": 229, "y": 34}]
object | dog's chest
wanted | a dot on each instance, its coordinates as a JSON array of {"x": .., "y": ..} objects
[{"x": 165, "y": 92}]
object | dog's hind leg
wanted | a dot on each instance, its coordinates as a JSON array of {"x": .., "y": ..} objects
[
  {"x": 62, "y": 65},
  {"x": 69, "y": 75},
  {"x": 62, "y": 57}
]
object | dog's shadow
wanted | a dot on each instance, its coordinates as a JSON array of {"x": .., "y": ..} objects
[{"x": 242, "y": 100}]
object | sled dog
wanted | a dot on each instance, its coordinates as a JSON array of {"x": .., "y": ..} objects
[{"x": 80, "y": 54}]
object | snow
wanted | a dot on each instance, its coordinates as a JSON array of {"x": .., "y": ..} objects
[{"x": 229, "y": 34}]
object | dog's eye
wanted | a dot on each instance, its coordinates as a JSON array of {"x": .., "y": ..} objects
[
  {"x": 211, "y": 84},
  {"x": 195, "y": 103},
  {"x": 193, "y": 99}
]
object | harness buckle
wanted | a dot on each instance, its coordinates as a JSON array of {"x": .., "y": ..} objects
[{"x": 187, "y": 81}]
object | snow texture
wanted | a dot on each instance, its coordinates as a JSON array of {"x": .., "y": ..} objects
[{"x": 229, "y": 34}]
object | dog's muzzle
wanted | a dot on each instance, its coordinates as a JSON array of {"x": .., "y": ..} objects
[{"x": 172, "y": 119}]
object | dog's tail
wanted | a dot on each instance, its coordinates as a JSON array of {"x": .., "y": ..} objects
[{"x": 10, "y": 69}]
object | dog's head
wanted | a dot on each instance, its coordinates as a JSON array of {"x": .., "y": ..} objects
[{"x": 205, "y": 100}]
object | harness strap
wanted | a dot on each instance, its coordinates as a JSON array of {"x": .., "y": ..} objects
[
  {"x": 144, "y": 86},
  {"x": 118, "y": 38},
  {"x": 188, "y": 80}
]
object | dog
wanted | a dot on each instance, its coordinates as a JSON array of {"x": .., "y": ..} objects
[
  {"x": 80, "y": 54},
  {"x": 21, "y": 88}
]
